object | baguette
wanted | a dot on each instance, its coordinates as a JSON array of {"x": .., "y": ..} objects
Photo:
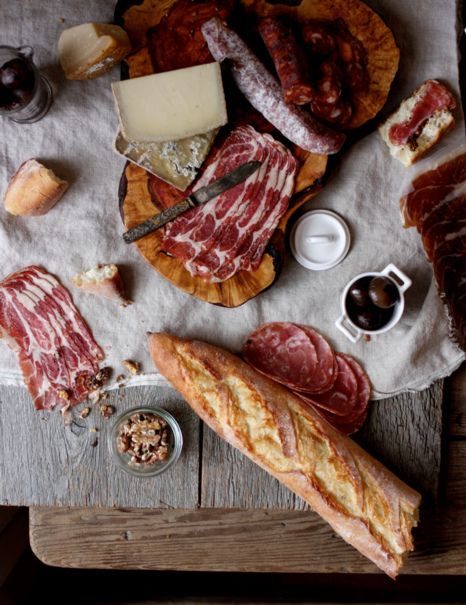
[
  {"x": 365, "y": 503},
  {"x": 33, "y": 190},
  {"x": 433, "y": 103}
]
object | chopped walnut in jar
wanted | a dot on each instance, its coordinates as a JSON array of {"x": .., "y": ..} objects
[{"x": 145, "y": 437}]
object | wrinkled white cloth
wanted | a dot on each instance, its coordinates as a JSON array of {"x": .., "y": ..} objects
[{"x": 84, "y": 228}]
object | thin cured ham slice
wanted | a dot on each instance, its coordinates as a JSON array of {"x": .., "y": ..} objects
[
  {"x": 57, "y": 353},
  {"x": 230, "y": 232},
  {"x": 436, "y": 206},
  {"x": 298, "y": 358}
]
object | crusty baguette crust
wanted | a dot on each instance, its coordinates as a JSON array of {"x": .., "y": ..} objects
[
  {"x": 364, "y": 502},
  {"x": 33, "y": 190},
  {"x": 432, "y": 131}
]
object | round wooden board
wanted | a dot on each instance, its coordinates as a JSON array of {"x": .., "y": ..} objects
[{"x": 137, "y": 202}]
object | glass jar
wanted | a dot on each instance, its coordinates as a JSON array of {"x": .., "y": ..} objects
[
  {"x": 25, "y": 94},
  {"x": 134, "y": 426}
]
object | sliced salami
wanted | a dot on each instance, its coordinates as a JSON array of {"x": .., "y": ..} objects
[
  {"x": 342, "y": 398},
  {"x": 354, "y": 420},
  {"x": 326, "y": 374},
  {"x": 284, "y": 352}
]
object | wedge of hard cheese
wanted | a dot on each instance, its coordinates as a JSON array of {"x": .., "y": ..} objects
[
  {"x": 91, "y": 49},
  {"x": 171, "y": 105},
  {"x": 364, "y": 502}
]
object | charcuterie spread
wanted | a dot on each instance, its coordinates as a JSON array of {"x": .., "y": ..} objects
[
  {"x": 363, "y": 502},
  {"x": 57, "y": 353},
  {"x": 227, "y": 111},
  {"x": 327, "y": 80},
  {"x": 436, "y": 206}
]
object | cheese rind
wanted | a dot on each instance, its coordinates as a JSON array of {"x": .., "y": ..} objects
[
  {"x": 89, "y": 50},
  {"x": 175, "y": 162},
  {"x": 171, "y": 105}
]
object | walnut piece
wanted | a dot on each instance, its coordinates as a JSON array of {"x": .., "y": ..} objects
[{"x": 145, "y": 437}]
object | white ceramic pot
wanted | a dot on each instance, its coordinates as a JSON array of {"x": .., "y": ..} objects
[{"x": 401, "y": 282}]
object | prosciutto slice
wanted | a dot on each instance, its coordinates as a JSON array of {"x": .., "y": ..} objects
[
  {"x": 57, "y": 353},
  {"x": 230, "y": 232},
  {"x": 436, "y": 206}
]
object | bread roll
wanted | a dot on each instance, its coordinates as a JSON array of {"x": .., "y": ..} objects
[
  {"x": 90, "y": 50},
  {"x": 33, "y": 190},
  {"x": 103, "y": 280},
  {"x": 438, "y": 102},
  {"x": 364, "y": 502}
]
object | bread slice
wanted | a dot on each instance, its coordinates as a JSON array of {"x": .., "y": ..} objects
[
  {"x": 364, "y": 502},
  {"x": 33, "y": 190},
  {"x": 427, "y": 134}
]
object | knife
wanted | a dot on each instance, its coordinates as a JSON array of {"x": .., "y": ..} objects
[{"x": 201, "y": 196}]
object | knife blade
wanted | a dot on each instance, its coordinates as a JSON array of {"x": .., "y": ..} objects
[{"x": 197, "y": 198}]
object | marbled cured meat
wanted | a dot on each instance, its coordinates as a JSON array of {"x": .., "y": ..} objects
[
  {"x": 57, "y": 353},
  {"x": 230, "y": 232},
  {"x": 436, "y": 206},
  {"x": 263, "y": 91}
]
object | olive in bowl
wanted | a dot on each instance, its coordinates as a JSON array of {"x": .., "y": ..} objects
[{"x": 372, "y": 303}]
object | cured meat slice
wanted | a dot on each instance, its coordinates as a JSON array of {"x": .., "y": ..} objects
[
  {"x": 354, "y": 420},
  {"x": 432, "y": 97},
  {"x": 436, "y": 206},
  {"x": 230, "y": 232},
  {"x": 342, "y": 398},
  {"x": 57, "y": 353},
  {"x": 177, "y": 41},
  {"x": 296, "y": 356},
  {"x": 263, "y": 91}
]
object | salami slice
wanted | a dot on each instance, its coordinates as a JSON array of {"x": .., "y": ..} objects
[
  {"x": 342, "y": 398},
  {"x": 284, "y": 352},
  {"x": 326, "y": 374},
  {"x": 345, "y": 427}
]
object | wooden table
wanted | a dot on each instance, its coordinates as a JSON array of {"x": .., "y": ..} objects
[{"x": 257, "y": 539}]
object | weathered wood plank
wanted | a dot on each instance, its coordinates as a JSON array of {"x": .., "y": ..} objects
[
  {"x": 240, "y": 540},
  {"x": 59, "y": 466},
  {"x": 404, "y": 432},
  {"x": 455, "y": 399}
]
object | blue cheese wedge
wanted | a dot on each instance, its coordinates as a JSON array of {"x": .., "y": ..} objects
[
  {"x": 172, "y": 105},
  {"x": 176, "y": 162}
]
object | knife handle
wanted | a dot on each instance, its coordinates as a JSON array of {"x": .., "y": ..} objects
[{"x": 157, "y": 221}]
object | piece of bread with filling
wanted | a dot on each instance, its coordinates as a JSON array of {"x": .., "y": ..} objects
[
  {"x": 33, "y": 190},
  {"x": 419, "y": 122},
  {"x": 366, "y": 504}
]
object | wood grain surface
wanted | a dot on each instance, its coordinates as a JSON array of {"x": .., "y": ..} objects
[
  {"x": 240, "y": 540},
  {"x": 60, "y": 466}
]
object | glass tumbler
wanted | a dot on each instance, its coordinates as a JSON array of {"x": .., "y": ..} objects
[{"x": 25, "y": 94}]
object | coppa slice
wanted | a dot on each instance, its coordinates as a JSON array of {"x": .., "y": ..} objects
[
  {"x": 230, "y": 232},
  {"x": 57, "y": 353},
  {"x": 286, "y": 353}
]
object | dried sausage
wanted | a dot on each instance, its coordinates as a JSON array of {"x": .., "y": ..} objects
[
  {"x": 288, "y": 58},
  {"x": 263, "y": 91}
]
